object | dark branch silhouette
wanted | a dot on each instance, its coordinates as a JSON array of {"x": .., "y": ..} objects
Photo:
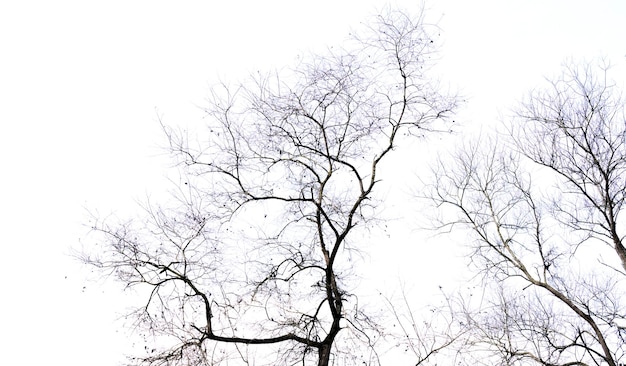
[{"x": 257, "y": 246}]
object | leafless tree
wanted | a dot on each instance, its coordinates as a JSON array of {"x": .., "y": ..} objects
[
  {"x": 427, "y": 336},
  {"x": 544, "y": 204},
  {"x": 261, "y": 242}
]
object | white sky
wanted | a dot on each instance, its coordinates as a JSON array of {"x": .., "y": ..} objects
[{"x": 81, "y": 83}]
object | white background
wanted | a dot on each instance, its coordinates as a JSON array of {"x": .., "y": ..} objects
[{"x": 82, "y": 84}]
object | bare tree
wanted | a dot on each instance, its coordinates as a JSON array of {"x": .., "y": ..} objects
[
  {"x": 427, "y": 336},
  {"x": 261, "y": 243},
  {"x": 544, "y": 205}
]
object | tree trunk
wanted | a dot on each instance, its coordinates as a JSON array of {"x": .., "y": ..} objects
[
  {"x": 324, "y": 355},
  {"x": 621, "y": 252}
]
